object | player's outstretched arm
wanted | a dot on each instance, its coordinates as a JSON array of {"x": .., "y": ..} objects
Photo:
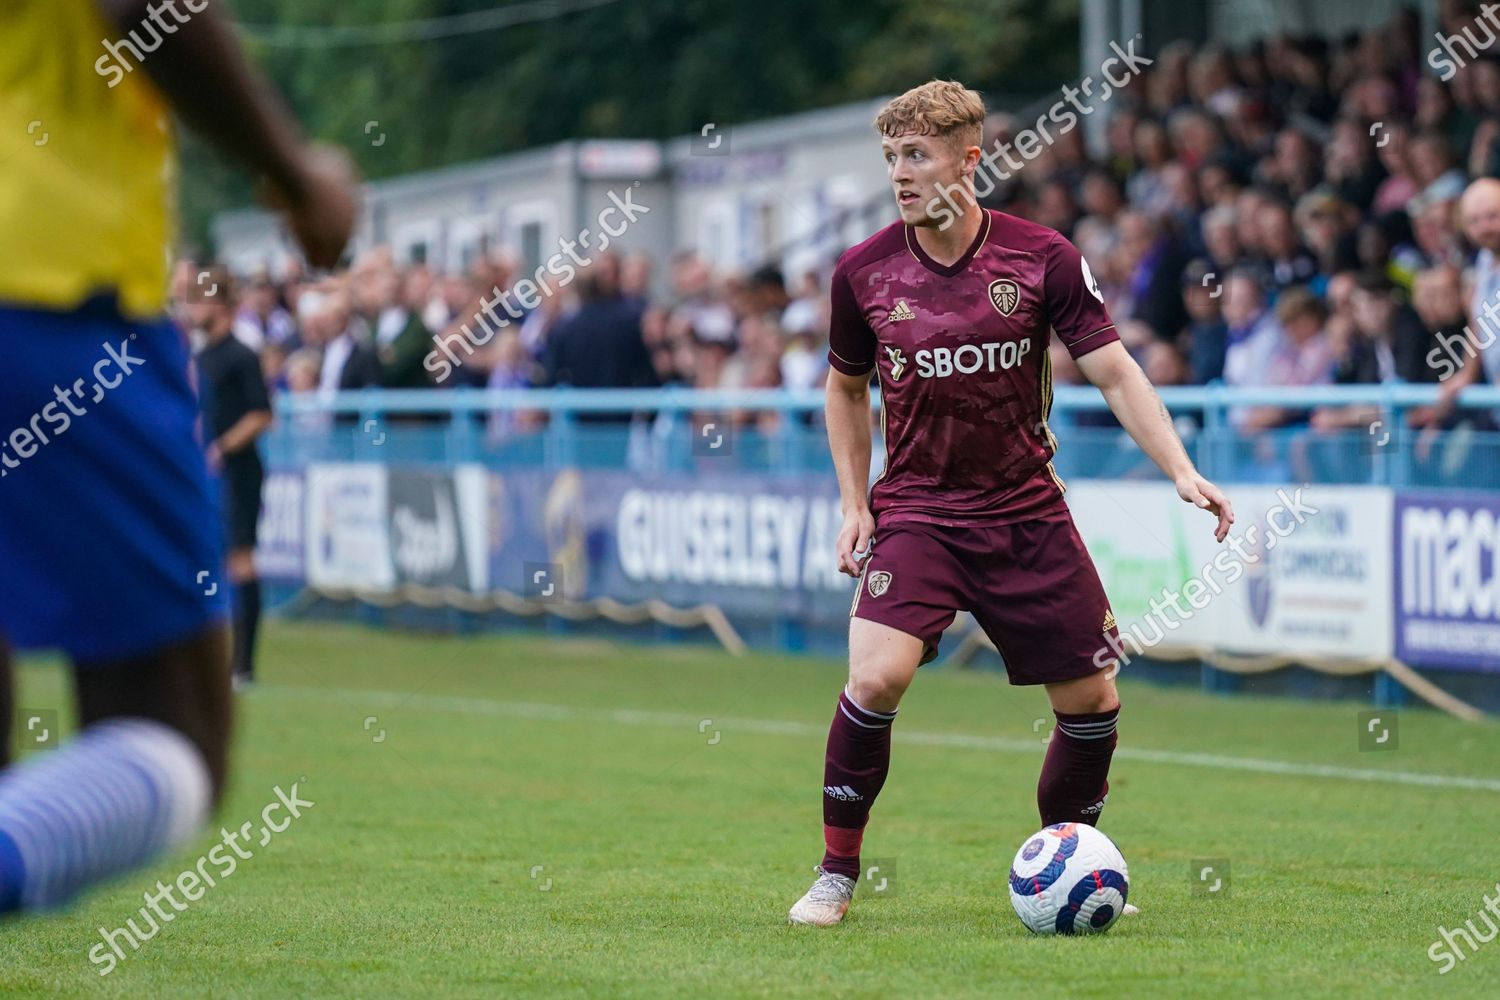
[
  {"x": 846, "y": 411},
  {"x": 1144, "y": 416},
  {"x": 201, "y": 70}
]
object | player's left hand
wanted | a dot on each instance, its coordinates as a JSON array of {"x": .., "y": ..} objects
[{"x": 1201, "y": 493}]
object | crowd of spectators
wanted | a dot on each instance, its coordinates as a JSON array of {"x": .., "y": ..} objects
[
  {"x": 1290, "y": 213},
  {"x": 382, "y": 324},
  {"x": 1287, "y": 213}
]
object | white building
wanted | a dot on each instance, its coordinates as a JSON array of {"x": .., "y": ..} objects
[{"x": 795, "y": 190}]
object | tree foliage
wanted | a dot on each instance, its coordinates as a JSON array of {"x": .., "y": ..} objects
[{"x": 634, "y": 68}]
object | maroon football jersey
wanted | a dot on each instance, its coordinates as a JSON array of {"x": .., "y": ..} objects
[{"x": 961, "y": 352}]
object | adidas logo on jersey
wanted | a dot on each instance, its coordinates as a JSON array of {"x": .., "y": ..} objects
[
  {"x": 1109, "y": 619},
  {"x": 900, "y": 312},
  {"x": 843, "y": 793}
]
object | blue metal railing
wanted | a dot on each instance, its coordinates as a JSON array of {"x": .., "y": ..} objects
[
  {"x": 1394, "y": 397},
  {"x": 556, "y": 427}
]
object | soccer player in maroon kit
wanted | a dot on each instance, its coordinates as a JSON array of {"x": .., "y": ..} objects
[{"x": 952, "y": 308}]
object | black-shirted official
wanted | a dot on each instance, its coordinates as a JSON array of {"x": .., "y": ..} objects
[{"x": 236, "y": 412}]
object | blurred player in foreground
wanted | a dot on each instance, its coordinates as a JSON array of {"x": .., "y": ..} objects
[
  {"x": 952, "y": 308},
  {"x": 110, "y": 546}
]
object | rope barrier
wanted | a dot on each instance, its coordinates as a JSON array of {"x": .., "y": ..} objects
[
  {"x": 702, "y": 615},
  {"x": 975, "y": 640}
]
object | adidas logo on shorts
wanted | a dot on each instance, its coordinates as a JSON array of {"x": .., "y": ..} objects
[{"x": 843, "y": 793}]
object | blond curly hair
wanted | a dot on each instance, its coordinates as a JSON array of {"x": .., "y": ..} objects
[{"x": 944, "y": 108}]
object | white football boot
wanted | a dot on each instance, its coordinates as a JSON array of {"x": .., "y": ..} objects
[{"x": 825, "y": 903}]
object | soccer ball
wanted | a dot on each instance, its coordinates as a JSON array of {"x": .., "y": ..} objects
[{"x": 1068, "y": 879}]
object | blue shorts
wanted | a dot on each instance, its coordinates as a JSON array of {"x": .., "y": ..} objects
[{"x": 110, "y": 542}]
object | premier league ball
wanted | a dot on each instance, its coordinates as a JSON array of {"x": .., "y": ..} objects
[{"x": 1068, "y": 879}]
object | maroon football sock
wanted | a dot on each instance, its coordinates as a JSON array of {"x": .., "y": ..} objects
[
  {"x": 1074, "y": 782},
  {"x": 859, "y": 756}
]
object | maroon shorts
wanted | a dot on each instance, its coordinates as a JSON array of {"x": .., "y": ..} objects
[{"x": 1031, "y": 586}]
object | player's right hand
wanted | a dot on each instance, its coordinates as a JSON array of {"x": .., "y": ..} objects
[
  {"x": 324, "y": 208},
  {"x": 854, "y": 541}
]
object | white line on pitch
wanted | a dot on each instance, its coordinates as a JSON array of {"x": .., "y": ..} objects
[{"x": 635, "y": 717}]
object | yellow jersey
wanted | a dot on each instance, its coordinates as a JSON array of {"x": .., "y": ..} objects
[{"x": 88, "y": 165}]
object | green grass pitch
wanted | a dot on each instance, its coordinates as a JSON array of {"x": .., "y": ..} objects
[{"x": 530, "y": 816}]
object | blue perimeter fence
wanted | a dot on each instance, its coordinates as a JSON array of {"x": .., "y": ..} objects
[
  {"x": 618, "y": 443},
  {"x": 674, "y": 430}
]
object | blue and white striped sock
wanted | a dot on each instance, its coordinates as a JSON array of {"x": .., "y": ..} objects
[{"x": 121, "y": 793}]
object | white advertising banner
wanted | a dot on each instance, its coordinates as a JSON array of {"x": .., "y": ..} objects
[
  {"x": 1307, "y": 570},
  {"x": 372, "y": 527},
  {"x": 348, "y": 544}
]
